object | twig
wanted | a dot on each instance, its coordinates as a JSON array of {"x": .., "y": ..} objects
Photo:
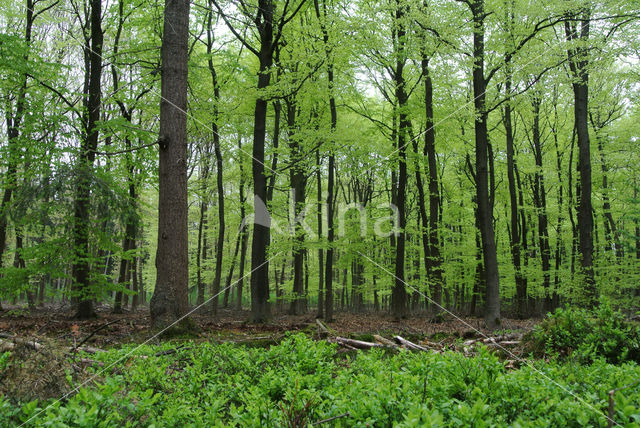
[
  {"x": 612, "y": 393},
  {"x": 344, "y": 415},
  {"x": 94, "y": 332}
]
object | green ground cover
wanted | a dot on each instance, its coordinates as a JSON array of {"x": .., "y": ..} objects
[{"x": 300, "y": 382}]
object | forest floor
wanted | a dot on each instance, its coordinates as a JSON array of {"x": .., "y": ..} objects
[{"x": 109, "y": 329}]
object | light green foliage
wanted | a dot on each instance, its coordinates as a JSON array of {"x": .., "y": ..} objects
[{"x": 225, "y": 385}]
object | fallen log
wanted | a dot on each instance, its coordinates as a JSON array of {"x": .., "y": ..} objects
[
  {"x": 322, "y": 330},
  {"x": 19, "y": 341},
  {"x": 359, "y": 344},
  {"x": 409, "y": 345},
  {"x": 506, "y": 339},
  {"x": 384, "y": 341}
]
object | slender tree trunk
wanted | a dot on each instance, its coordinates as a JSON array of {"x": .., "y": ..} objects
[
  {"x": 328, "y": 276},
  {"x": 133, "y": 269},
  {"x": 215, "y": 287},
  {"x": 559, "y": 253},
  {"x": 540, "y": 201},
  {"x": 227, "y": 285},
  {"x": 243, "y": 231},
  {"x": 320, "y": 313},
  {"x": 170, "y": 298},
  {"x": 610, "y": 229},
  {"x": 14, "y": 123},
  {"x": 434, "y": 265},
  {"x": 201, "y": 250},
  {"x": 297, "y": 179},
  {"x": 521, "y": 285}
]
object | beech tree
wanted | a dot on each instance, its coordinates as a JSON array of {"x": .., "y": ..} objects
[{"x": 170, "y": 300}]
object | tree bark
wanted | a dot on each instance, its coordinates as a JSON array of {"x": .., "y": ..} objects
[
  {"x": 298, "y": 182},
  {"x": 514, "y": 235},
  {"x": 578, "y": 64},
  {"x": 320, "y": 313},
  {"x": 399, "y": 304},
  {"x": 434, "y": 265},
  {"x": 243, "y": 231},
  {"x": 170, "y": 298},
  {"x": 328, "y": 276},
  {"x": 84, "y": 171},
  {"x": 540, "y": 202},
  {"x": 485, "y": 211},
  {"x": 260, "y": 310}
]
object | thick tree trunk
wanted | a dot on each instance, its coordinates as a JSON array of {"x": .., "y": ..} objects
[
  {"x": 578, "y": 64},
  {"x": 170, "y": 298},
  {"x": 86, "y": 157},
  {"x": 485, "y": 211},
  {"x": 260, "y": 311},
  {"x": 399, "y": 304}
]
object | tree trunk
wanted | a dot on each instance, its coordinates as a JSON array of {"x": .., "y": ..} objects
[
  {"x": 578, "y": 64},
  {"x": 297, "y": 180},
  {"x": 514, "y": 235},
  {"x": 215, "y": 287},
  {"x": 434, "y": 265},
  {"x": 485, "y": 211},
  {"x": 86, "y": 157},
  {"x": 328, "y": 276},
  {"x": 399, "y": 302},
  {"x": 320, "y": 313},
  {"x": 243, "y": 231},
  {"x": 227, "y": 285},
  {"x": 540, "y": 202},
  {"x": 169, "y": 303},
  {"x": 260, "y": 311}
]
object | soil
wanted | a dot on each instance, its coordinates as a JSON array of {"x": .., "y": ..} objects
[{"x": 110, "y": 329}]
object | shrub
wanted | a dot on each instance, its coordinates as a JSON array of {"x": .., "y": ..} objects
[{"x": 587, "y": 336}]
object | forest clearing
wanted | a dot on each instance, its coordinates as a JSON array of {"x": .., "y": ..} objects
[{"x": 293, "y": 213}]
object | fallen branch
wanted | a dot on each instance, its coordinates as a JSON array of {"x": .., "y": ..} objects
[
  {"x": 506, "y": 339},
  {"x": 89, "y": 362},
  {"x": 409, "y": 345},
  {"x": 344, "y": 415},
  {"x": 19, "y": 341},
  {"x": 359, "y": 344},
  {"x": 323, "y": 331},
  {"x": 384, "y": 341},
  {"x": 94, "y": 332}
]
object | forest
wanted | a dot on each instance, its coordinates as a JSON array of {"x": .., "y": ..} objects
[{"x": 190, "y": 184}]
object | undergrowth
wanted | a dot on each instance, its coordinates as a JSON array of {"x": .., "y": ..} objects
[
  {"x": 586, "y": 336},
  {"x": 299, "y": 382}
]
